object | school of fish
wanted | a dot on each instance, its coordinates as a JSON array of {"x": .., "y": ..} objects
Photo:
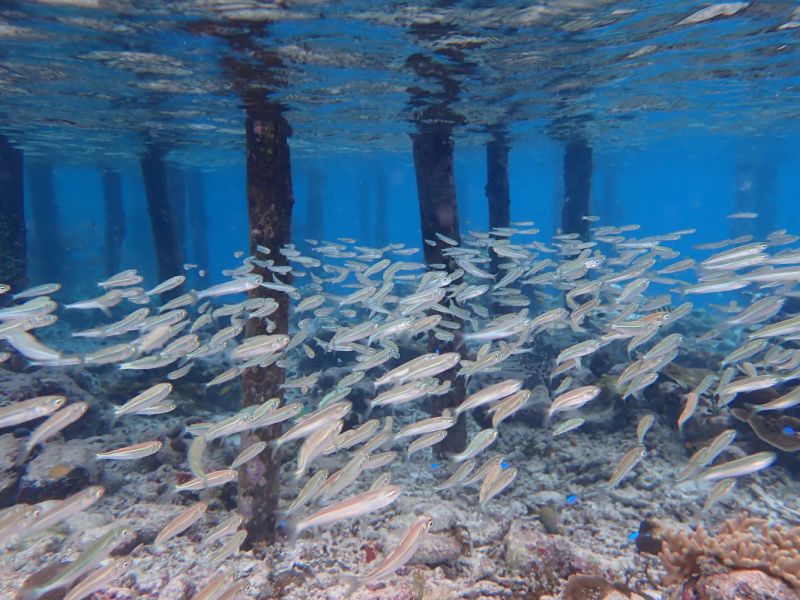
[{"x": 363, "y": 304}]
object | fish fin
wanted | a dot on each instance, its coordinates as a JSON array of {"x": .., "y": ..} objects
[
  {"x": 352, "y": 582},
  {"x": 106, "y": 311}
]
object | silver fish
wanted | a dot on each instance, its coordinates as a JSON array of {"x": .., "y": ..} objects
[
  {"x": 493, "y": 486},
  {"x": 351, "y": 508},
  {"x": 742, "y": 466},
  {"x": 573, "y": 399},
  {"x": 568, "y": 426},
  {"x": 308, "y": 492},
  {"x": 149, "y": 397},
  {"x": 65, "y": 509},
  {"x": 55, "y": 423},
  {"x": 224, "y": 529},
  {"x": 405, "y": 550},
  {"x": 182, "y": 522},
  {"x": 722, "y": 487},
  {"x": 165, "y": 286},
  {"x": 625, "y": 466},
  {"x": 425, "y": 442},
  {"x": 229, "y": 548},
  {"x": 490, "y": 394},
  {"x": 88, "y": 559},
  {"x": 212, "y": 480},
  {"x": 28, "y": 410},
  {"x": 456, "y": 478},
  {"x": 215, "y": 588},
  {"x": 248, "y": 453},
  {"x": 99, "y": 578},
  {"x": 484, "y": 439},
  {"x": 644, "y": 426},
  {"x": 131, "y": 452}
]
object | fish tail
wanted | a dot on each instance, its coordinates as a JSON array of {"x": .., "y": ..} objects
[
  {"x": 275, "y": 447},
  {"x": 459, "y": 339},
  {"x": 296, "y": 478},
  {"x": 352, "y": 582},
  {"x": 24, "y": 452},
  {"x": 291, "y": 532},
  {"x": 195, "y": 297},
  {"x": 111, "y": 413}
]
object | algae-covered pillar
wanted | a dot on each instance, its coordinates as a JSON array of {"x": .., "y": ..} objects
[
  {"x": 431, "y": 106},
  {"x": 381, "y": 210},
  {"x": 269, "y": 206},
  {"x": 577, "y": 188},
  {"x": 177, "y": 196},
  {"x": 162, "y": 220},
  {"x": 433, "y": 147},
  {"x": 497, "y": 187},
  {"x": 47, "y": 247},
  {"x": 114, "y": 221},
  {"x": 13, "y": 250},
  {"x": 315, "y": 204},
  {"x": 610, "y": 208},
  {"x": 198, "y": 222}
]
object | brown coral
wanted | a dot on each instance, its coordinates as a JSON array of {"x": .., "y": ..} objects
[{"x": 742, "y": 543}]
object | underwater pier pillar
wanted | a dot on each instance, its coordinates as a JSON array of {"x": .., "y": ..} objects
[
  {"x": 497, "y": 188},
  {"x": 197, "y": 220},
  {"x": 381, "y": 210},
  {"x": 610, "y": 209},
  {"x": 13, "y": 249},
  {"x": 433, "y": 150},
  {"x": 577, "y": 188},
  {"x": 269, "y": 205},
  {"x": 47, "y": 247},
  {"x": 177, "y": 195},
  {"x": 162, "y": 220},
  {"x": 315, "y": 205},
  {"x": 114, "y": 221}
]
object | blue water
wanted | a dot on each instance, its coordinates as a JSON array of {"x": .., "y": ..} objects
[
  {"x": 668, "y": 108},
  {"x": 671, "y": 108}
]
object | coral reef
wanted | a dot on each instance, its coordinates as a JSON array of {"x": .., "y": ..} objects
[{"x": 742, "y": 543}]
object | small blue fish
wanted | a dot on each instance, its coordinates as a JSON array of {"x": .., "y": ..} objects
[
  {"x": 633, "y": 536},
  {"x": 504, "y": 465},
  {"x": 437, "y": 351},
  {"x": 435, "y": 466},
  {"x": 572, "y": 499},
  {"x": 789, "y": 431}
]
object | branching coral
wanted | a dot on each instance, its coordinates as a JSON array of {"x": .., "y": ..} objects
[{"x": 742, "y": 543}]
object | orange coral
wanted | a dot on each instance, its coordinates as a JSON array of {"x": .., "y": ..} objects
[{"x": 742, "y": 543}]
